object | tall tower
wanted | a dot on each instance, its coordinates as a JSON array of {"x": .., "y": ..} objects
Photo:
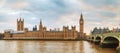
[
  {"x": 41, "y": 26},
  {"x": 20, "y": 24},
  {"x": 81, "y": 23}
]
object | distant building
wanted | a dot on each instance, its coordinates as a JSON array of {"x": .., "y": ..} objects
[
  {"x": 42, "y": 33},
  {"x": 104, "y": 30}
]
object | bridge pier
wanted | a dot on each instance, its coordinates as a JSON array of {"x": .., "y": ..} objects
[
  {"x": 97, "y": 42},
  {"x": 118, "y": 48},
  {"x": 92, "y": 40},
  {"x": 102, "y": 44}
]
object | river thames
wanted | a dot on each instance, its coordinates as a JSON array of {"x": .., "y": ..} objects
[{"x": 36, "y": 46}]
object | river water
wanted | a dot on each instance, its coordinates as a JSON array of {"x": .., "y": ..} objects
[{"x": 36, "y": 46}]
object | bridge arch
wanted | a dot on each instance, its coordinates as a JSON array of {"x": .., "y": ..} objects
[
  {"x": 92, "y": 38},
  {"x": 111, "y": 41},
  {"x": 97, "y": 40}
]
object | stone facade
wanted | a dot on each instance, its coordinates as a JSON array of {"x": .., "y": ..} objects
[
  {"x": 81, "y": 23},
  {"x": 20, "y": 24},
  {"x": 42, "y": 33}
]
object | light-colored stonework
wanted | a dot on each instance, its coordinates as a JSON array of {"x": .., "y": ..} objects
[{"x": 42, "y": 33}]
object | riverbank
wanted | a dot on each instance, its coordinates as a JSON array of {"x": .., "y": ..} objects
[{"x": 45, "y": 39}]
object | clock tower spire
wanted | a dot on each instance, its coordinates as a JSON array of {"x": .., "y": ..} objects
[{"x": 81, "y": 23}]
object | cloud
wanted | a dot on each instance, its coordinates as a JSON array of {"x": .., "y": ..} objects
[
  {"x": 56, "y": 13},
  {"x": 19, "y": 5},
  {"x": 2, "y": 2},
  {"x": 115, "y": 8}
]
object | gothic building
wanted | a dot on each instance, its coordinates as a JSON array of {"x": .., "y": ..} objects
[
  {"x": 81, "y": 23},
  {"x": 20, "y": 24},
  {"x": 42, "y": 33}
]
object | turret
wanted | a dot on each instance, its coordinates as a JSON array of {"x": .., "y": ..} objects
[
  {"x": 73, "y": 28},
  {"x": 35, "y": 28},
  {"x": 44, "y": 29},
  {"x": 26, "y": 30},
  {"x": 20, "y": 24},
  {"x": 40, "y": 26}
]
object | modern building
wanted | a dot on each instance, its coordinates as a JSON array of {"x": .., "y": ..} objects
[{"x": 42, "y": 33}]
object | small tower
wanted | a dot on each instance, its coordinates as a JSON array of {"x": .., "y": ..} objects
[
  {"x": 40, "y": 26},
  {"x": 35, "y": 28},
  {"x": 81, "y": 23},
  {"x": 73, "y": 32},
  {"x": 20, "y": 24}
]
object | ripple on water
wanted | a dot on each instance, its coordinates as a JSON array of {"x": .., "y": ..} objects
[{"x": 51, "y": 47}]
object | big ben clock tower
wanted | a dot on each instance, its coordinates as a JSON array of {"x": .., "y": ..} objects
[{"x": 81, "y": 23}]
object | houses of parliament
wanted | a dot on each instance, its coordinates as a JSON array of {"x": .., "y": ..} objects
[{"x": 42, "y": 33}]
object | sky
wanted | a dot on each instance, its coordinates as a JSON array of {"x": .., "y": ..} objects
[{"x": 59, "y": 13}]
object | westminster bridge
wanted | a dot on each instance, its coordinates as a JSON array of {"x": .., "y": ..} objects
[{"x": 106, "y": 39}]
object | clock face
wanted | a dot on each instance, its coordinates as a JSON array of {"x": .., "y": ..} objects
[{"x": 81, "y": 21}]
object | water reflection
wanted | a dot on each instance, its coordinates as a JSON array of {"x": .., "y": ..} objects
[{"x": 26, "y": 46}]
